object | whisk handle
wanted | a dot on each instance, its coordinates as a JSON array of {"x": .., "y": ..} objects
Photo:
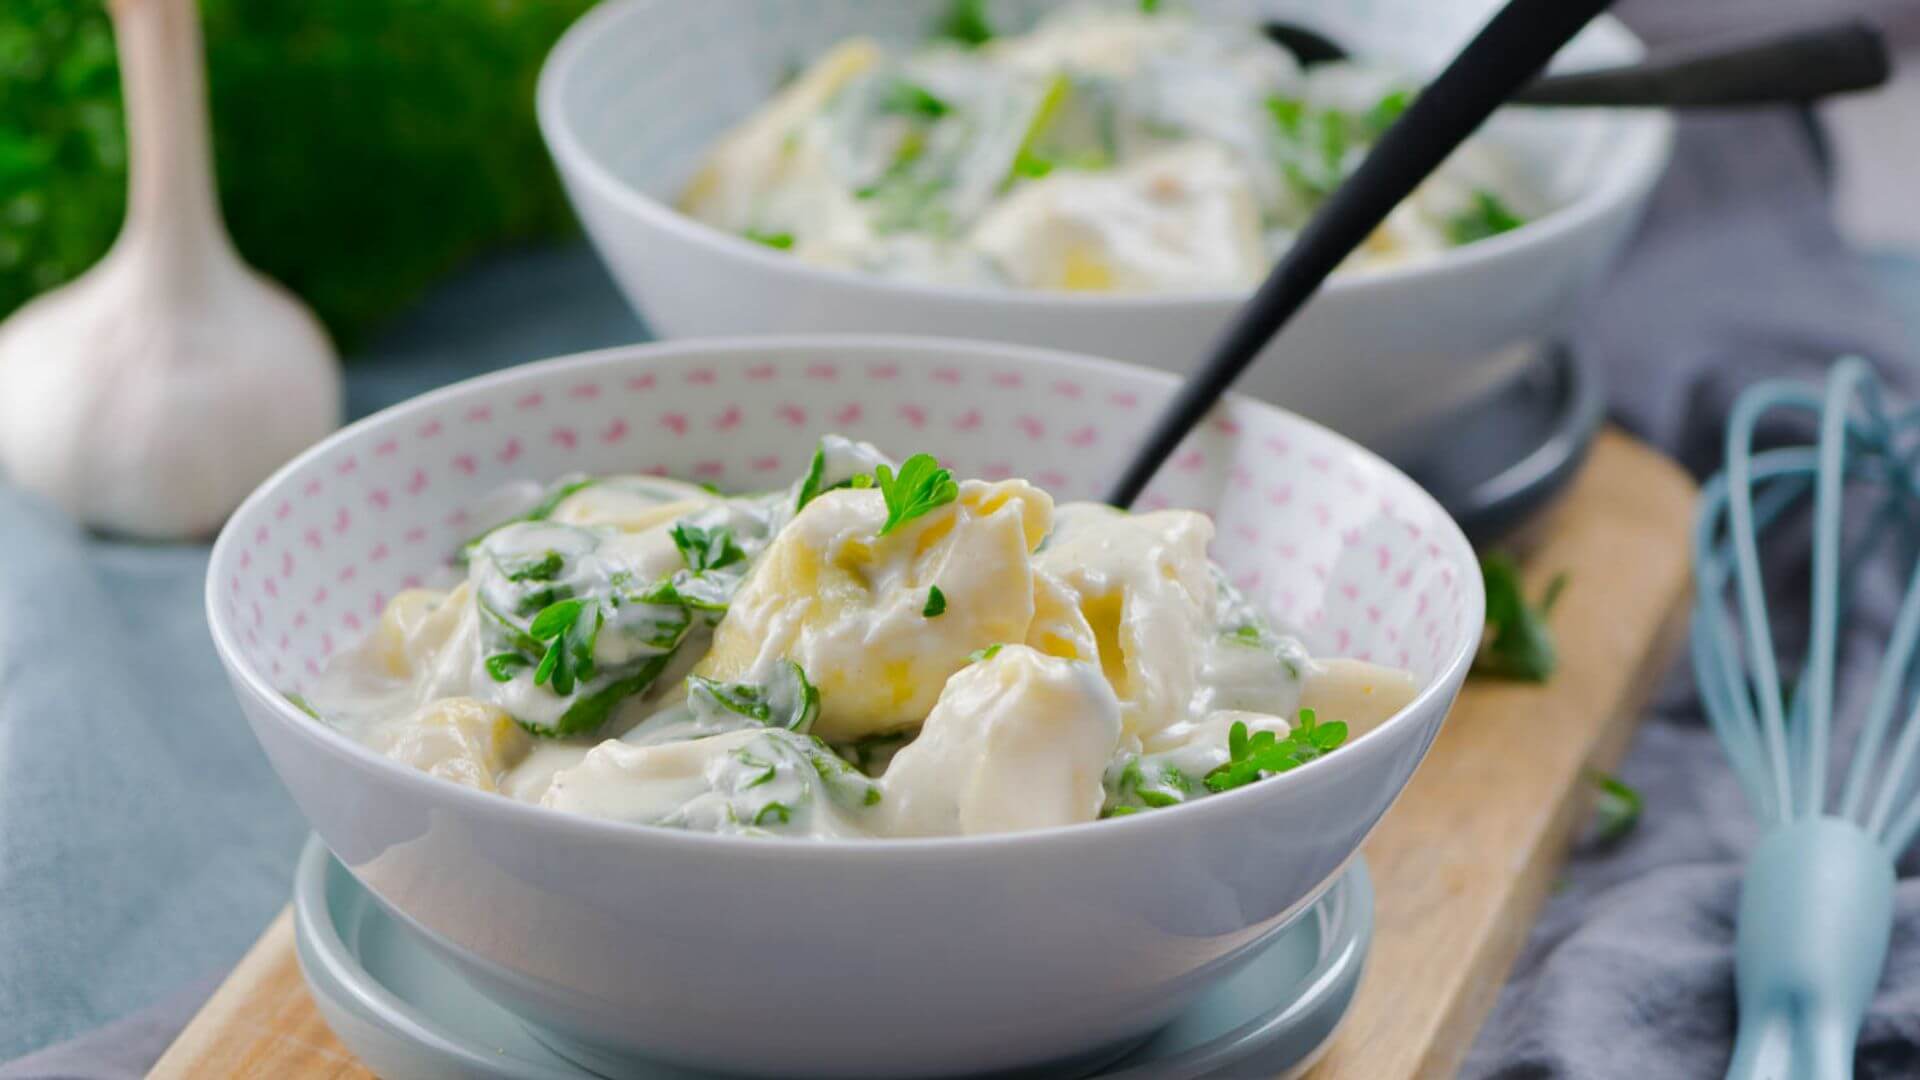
[{"x": 1816, "y": 913}]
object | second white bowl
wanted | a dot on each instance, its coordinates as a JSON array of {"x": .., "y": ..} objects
[{"x": 636, "y": 91}]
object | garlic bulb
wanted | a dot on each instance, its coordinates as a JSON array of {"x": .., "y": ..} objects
[{"x": 152, "y": 394}]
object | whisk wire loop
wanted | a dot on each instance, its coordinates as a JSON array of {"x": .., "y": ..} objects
[{"x": 1780, "y": 743}]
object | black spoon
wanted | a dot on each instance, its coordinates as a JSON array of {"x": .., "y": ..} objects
[
  {"x": 1780, "y": 68},
  {"x": 1503, "y": 56}
]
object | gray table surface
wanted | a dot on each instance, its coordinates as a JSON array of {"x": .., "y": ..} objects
[{"x": 144, "y": 842}]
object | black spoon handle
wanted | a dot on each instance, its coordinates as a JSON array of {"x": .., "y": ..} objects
[
  {"x": 1801, "y": 65},
  {"x": 1508, "y": 51}
]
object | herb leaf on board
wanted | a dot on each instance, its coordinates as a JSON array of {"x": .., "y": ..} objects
[
  {"x": 1519, "y": 645},
  {"x": 1616, "y": 808}
]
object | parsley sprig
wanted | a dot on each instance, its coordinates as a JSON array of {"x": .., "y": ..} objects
[
  {"x": 569, "y": 628},
  {"x": 1488, "y": 216},
  {"x": 907, "y": 98},
  {"x": 788, "y": 700},
  {"x": 1617, "y": 807},
  {"x": 780, "y": 241},
  {"x": 1262, "y": 754},
  {"x": 706, "y": 549},
  {"x": 1519, "y": 645},
  {"x": 921, "y": 487},
  {"x": 967, "y": 24}
]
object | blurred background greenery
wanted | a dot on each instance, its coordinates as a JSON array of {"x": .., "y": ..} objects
[{"x": 365, "y": 147}]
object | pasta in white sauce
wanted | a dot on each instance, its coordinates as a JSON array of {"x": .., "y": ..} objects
[
  {"x": 1109, "y": 149},
  {"x": 873, "y": 651}
]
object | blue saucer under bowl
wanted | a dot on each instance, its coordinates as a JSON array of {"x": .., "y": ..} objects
[{"x": 409, "y": 1017}]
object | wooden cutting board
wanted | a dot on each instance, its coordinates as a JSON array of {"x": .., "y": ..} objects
[{"x": 1460, "y": 865}]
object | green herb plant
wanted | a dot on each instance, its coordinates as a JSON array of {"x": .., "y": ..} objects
[{"x": 364, "y": 149}]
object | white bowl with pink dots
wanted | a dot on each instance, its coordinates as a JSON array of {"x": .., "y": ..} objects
[{"x": 882, "y": 957}]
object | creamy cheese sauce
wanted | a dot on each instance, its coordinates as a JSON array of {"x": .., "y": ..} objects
[
  {"x": 873, "y": 651},
  {"x": 1107, "y": 150}
]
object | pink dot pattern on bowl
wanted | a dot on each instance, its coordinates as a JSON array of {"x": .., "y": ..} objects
[{"x": 1332, "y": 543}]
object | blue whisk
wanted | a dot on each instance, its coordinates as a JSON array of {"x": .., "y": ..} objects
[{"x": 1816, "y": 907}]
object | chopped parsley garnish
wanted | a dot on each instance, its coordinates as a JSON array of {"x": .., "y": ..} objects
[
  {"x": 1488, "y": 216},
  {"x": 903, "y": 202},
  {"x": 1519, "y": 646},
  {"x": 936, "y": 603},
  {"x": 921, "y": 487},
  {"x": 695, "y": 592},
  {"x": 845, "y": 784},
  {"x": 1385, "y": 111},
  {"x": 303, "y": 705},
  {"x": 1617, "y": 807},
  {"x": 501, "y": 666},
  {"x": 874, "y": 751},
  {"x": 1262, "y": 754},
  {"x": 1151, "y": 786},
  {"x": 569, "y": 628},
  {"x": 1255, "y": 636},
  {"x": 768, "y": 770},
  {"x": 544, "y": 568},
  {"x": 907, "y": 98},
  {"x": 788, "y": 700},
  {"x": 810, "y": 484},
  {"x": 966, "y": 23},
  {"x": 1031, "y": 166},
  {"x": 706, "y": 549},
  {"x": 815, "y": 484},
  {"x": 1287, "y": 112},
  {"x": 773, "y": 809},
  {"x": 987, "y": 653},
  {"x": 782, "y": 241}
]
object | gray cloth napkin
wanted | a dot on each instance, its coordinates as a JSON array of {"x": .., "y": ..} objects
[{"x": 144, "y": 842}]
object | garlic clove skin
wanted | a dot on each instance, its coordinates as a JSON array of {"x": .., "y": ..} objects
[{"x": 149, "y": 399}]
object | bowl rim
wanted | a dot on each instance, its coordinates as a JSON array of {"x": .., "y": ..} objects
[
  {"x": 1645, "y": 145},
  {"x": 319, "y": 736}
]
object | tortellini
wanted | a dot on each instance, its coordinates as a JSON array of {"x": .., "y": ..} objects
[
  {"x": 458, "y": 739},
  {"x": 1144, "y": 587},
  {"x": 1105, "y": 149},
  {"x": 872, "y": 651},
  {"x": 848, "y": 605},
  {"x": 1017, "y": 741}
]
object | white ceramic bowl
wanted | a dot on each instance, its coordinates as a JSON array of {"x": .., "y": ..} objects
[
  {"x": 636, "y": 91},
  {"x": 886, "y": 957}
]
